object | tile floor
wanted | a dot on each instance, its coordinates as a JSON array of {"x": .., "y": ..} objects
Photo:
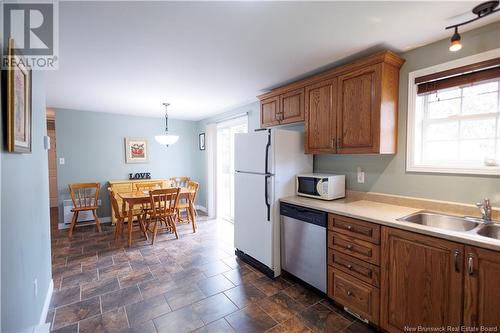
[{"x": 191, "y": 284}]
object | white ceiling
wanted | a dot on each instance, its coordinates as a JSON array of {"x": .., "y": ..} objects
[{"x": 207, "y": 57}]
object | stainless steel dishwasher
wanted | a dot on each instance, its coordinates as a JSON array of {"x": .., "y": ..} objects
[{"x": 303, "y": 244}]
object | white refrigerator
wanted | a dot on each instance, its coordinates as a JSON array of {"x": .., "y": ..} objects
[{"x": 266, "y": 162}]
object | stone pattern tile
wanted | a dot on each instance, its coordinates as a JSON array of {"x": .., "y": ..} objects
[{"x": 191, "y": 284}]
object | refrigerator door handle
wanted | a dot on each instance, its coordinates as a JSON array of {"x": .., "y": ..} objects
[
  {"x": 266, "y": 194},
  {"x": 268, "y": 145}
]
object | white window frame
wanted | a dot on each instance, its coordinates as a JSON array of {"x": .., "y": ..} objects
[{"x": 410, "y": 124}]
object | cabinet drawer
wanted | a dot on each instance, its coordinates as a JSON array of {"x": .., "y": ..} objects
[
  {"x": 354, "y": 294},
  {"x": 354, "y": 247},
  {"x": 367, "y": 231},
  {"x": 355, "y": 267}
]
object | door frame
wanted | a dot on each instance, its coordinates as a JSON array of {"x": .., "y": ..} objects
[{"x": 215, "y": 159}]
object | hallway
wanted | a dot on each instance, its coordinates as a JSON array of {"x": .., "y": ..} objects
[{"x": 176, "y": 286}]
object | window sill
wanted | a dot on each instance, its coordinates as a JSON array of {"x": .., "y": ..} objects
[{"x": 491, "y": 171}]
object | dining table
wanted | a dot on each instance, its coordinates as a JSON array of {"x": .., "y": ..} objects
[{"x": 132, "y": 199}]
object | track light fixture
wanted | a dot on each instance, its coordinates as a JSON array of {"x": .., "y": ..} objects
[
  {"x": 455, "y": 41},
  {"x": 481, "y": 10}
]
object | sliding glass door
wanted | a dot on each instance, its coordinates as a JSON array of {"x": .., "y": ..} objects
[{"x": 225, "y": 164}]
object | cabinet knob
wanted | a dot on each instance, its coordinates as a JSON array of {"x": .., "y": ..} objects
[
  {"x": 349, "y": 227},
  {"x": 349, "y": 266},
  {"x": 349, "y": 293},
  {"x": 349, "y": 247}
]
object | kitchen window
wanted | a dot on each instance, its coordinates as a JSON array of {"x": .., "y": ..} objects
[{"x": 454, "y": 118}]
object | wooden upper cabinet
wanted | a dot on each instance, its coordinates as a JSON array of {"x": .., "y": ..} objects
[
  {"x": 482, "y": 288},
  {"x": 421, "y": 281},
  {"x": 361, "y": 112},
  {"x": 358, "y": 111},
  {"x": 269, "y": 112},
  {"x": 282, "y": 109},
  {"x": 320, "y": 114},
  {"x": 291, "y": 107}
]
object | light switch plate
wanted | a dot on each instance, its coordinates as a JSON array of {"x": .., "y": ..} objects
[{"x": 61, "y": 161}]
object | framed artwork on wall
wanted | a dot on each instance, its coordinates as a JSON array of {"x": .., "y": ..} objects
[
  {"x": 201, "y": 141},
  {"x": 19, "y": 125},
  {"x": 136, "y": 150}
]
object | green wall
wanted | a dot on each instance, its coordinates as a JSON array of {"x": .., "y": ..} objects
[
  {"x": 387, "y": 174},
  {"x": 25, "y": 225},
  {"x": 253, "y": 123},
  {"x": 92, "y": 144}
]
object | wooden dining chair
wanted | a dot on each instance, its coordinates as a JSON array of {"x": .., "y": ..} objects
[
  {"x": 184, "y": 202},
  {"x": 163, "y": 210},
  {"x": 85, "y": 197},
  {"x": 181, "y": 181},
  {"x": 169, "y": 183},
  {"x": 120, "y": 216}
]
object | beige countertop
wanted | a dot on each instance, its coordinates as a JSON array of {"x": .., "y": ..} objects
[{"x": 387, "y": 214}]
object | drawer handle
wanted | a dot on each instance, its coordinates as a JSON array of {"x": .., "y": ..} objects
[
  {"x": 349, "y": 247},
  {"x": 349, "y": 227},
  {"x": 470, "y": 264},
  {"x": 349, "y": 293},
  {"x": 456, "y": 256}
]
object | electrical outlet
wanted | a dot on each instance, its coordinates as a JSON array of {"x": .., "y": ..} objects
[
  {"x": 35, "y": 287},
  {"x": 361, "y": 175},
  {"x": 61, "y": 161}
]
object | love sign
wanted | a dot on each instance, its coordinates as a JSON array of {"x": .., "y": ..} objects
[{"x": 139, "y": 175}]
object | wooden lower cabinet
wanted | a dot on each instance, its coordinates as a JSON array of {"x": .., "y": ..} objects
[
  {"x": 482, "y": 288},
  {"x": 422, "y": 281},
  {"x": 411, "y": 282}
]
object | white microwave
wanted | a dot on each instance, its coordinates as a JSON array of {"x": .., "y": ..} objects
[{"x": 321, "y": 186}]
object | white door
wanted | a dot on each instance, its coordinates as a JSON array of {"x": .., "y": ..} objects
[
  {"x": 250, "y": 152},
  {"x": 253, "y": 233},
  {"x": 225, "y": 165}
]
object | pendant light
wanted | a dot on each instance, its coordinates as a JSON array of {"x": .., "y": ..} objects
[
  {"x": 481, "y": 10},
  {"x": 166, "y": 139}
]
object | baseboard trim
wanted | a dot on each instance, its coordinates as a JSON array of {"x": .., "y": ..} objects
[
  {"x": 42, "y": 325},
  {"x": 201, "y": 208},
  {"x": 255, "y": 263},
  {"x": 105, "y": 219}
]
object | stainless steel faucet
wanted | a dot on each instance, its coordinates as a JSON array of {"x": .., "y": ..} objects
[{"x": 485, "y": 209}]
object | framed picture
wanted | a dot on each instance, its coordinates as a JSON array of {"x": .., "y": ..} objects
[
  {"x": 201, "y": 141},
  {"x": 19, "y": 130},
  {"x": 136, "y": 150}
]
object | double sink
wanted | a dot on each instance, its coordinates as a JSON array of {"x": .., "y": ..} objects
[{"x": 470, "y": 225}]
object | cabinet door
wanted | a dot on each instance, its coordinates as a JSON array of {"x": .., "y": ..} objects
[
  {"x": 421, "y": 281},
  {"x": 320, "y": 113},
  {"x": 359, "y": 111},
  {"x": 482, "y": 288},
  {"x": 292, "y": 107},
  {"x": 269, "y": 112}
]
